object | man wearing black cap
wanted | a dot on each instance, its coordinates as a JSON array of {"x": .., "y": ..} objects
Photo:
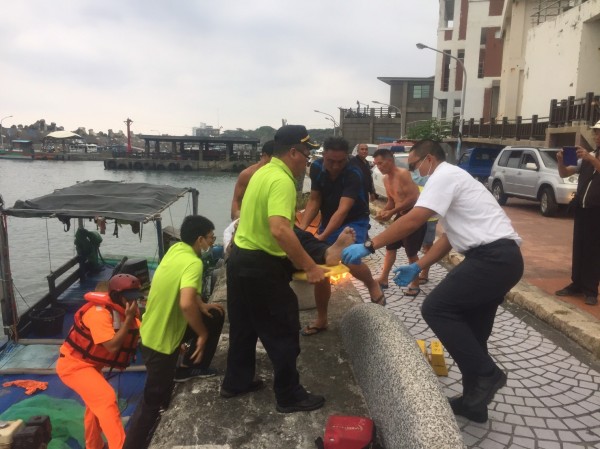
[
  {"x": 260, "y": 301},
  {"x": 244, "y": 178}
]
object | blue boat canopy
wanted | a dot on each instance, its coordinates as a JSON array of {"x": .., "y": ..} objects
[{"x": 139, "y": 202}]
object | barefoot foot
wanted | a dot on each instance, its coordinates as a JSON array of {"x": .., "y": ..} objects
[{"x": 334, "y": 252}]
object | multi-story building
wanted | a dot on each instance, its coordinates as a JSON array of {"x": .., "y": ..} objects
[
  {"x": 410, "y": 101},
  {"x": 550, "y": 52},
  {"x": 471, "y": 32}
]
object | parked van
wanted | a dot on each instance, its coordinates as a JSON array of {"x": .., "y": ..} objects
[{"x": 478, "y": 162}]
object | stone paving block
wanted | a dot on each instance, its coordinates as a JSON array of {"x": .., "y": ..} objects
[
  {"x": 501, "y": 438},
  {"x": 545, "y": 434},
  {"x": 514, "y": 419},
  {"x": 568, "y": 436},
  {"x": 543, "y": 412},
  {"x": 529, "y": 443},
  {"x": 556, "y": 424},
  {"x": 549, "y": 444},
  {"x": 533, "y": 422}
]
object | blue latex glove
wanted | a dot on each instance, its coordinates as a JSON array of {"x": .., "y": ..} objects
[
  {"x": 405, "y": 274},
  {"x": 352, "y": 254}
]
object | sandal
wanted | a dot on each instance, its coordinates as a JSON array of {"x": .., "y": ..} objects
[
  {"x": 380, "y": 301},
  {"x": 423, "y": 280},
  {"x": 312, "y": 330},
  {"x": 383, "y": 286},
  {"x": 412, "y": 291}
]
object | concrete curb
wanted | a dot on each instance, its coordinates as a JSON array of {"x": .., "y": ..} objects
[
  {"x": 566, "y": 318},
  {"x": 402, "y": 392}
]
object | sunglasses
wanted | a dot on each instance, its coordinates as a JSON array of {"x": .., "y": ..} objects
[{"x": 411, "y": 167}]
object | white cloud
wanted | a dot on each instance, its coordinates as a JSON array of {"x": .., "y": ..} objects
[{"x": 172, "y": 65}]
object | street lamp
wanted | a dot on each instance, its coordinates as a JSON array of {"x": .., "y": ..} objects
[
  {"x": 2, "y": 135},
  {"x": 464, "y": 91},
  {"x": 335, "y": 125},
  {"x": 397, "y": 110}
]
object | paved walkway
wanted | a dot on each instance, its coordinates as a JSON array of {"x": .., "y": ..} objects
[{"x": 551, "y": 400}]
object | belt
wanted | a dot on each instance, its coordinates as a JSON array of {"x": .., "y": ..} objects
[{"x": 495, "y": 244}]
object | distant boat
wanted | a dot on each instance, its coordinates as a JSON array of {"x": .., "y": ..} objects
[
  {"x": 15, "y": 154},
  {"x": 21, "y": 150}
]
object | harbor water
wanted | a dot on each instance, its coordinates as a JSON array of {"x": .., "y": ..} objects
[{"x": 38, "y": 246}]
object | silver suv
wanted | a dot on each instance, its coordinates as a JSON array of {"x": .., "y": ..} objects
[{"x": 531, "y": 173}]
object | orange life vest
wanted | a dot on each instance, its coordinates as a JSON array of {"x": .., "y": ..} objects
[{"x": 80, "y": 338}]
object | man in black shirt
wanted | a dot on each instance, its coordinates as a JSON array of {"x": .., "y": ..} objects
[
  {"x": 360, "y": 161},
  {"x": 337, "y": 191},
  {"x": 585, "y": 269}
]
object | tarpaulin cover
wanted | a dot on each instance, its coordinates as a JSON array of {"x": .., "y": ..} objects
[
  {"x": 139, "y": 202},
  {"x": 66, "y": 417}
]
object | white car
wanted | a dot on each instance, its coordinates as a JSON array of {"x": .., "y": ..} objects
[{"x": 401, "y": 161}]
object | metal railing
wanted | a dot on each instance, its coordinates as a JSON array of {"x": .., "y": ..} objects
[
  {"x": 381, "y": 112},
  {"x": 549, "y": 9},
  {"x": 562, "y": 113}
]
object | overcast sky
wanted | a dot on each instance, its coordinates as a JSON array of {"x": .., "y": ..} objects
[{"x": 170, "y": 66}]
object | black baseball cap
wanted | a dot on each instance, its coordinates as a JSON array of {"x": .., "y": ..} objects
[
  {"x": 268, "y": 147},
  {"x": 292, "y": 134}
]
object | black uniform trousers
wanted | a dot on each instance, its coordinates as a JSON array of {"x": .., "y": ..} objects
[
  {"x": 462, "y": 308},
  {"x": 585, "y": 272},
  {"x": 160, "y": 372},
  {"x": 261, "y": 304}
]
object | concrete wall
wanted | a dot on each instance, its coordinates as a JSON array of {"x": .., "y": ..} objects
[
  {"x": 402, "y": 392},
  {"x": 556, "y": 59}
]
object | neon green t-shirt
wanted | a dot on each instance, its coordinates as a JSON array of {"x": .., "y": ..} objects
[
  {"x": 163, "y": 323},
  {"x": 271, "y": 192}
]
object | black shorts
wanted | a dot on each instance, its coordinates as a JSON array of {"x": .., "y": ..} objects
[
  {"x": 315, "y": 248},
  {"x": 411, "y": 243}
]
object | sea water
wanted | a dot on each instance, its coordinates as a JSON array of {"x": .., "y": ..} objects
[{"x": 38, "y": 246}]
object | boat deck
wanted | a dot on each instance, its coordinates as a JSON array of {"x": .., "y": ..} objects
[{"x": 34, "y": 358}]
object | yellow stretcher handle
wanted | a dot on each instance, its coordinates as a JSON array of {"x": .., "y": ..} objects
[{"x": 334, "y": 270}]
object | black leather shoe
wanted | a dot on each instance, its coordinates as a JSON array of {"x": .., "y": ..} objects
[
  {"x": 458, "y": 408},
  {"x": 255, "y": 385},
  {"x": 483, "y": 390},
  {"x": 591, "y": 300},
  {"x": 569, "y": 290},
  {"x": 312, "y": 402}
]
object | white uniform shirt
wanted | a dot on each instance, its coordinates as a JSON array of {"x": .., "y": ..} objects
[{"x": 468, "y": 212}]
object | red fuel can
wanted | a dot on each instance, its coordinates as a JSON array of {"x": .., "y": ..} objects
[{"x": 349, "y": 432}]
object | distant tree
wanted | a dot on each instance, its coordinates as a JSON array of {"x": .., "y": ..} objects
[{"x": 433, "y": 129}]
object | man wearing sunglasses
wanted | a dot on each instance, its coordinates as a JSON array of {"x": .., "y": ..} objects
[{"x": 462, "y": 308}]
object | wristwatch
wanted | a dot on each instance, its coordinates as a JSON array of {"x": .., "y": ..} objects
[{"x": 369, "y": 245}]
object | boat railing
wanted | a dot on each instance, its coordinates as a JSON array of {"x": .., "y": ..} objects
[{"x": 54, "y": 290}]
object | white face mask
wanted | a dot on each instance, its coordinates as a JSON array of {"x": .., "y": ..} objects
[{"x": 418, "y": 179}]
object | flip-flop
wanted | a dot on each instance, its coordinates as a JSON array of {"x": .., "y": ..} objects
[
  {"x": 312, "y": 330},
  {"x": 423, "y": 281},
  {"x": 412, "y": 291},
  {"x": 381, "y": 300}
]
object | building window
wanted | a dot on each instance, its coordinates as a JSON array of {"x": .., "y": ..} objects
[
  {"x": 458, "y": 79},
  {"x": 422, "y": 91},
  {"x": 442, "y": 109},
  {"x": 445, "y": 79},
  {"x": 449, "y": 14},
  {"x": 481, "y": 63}
]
